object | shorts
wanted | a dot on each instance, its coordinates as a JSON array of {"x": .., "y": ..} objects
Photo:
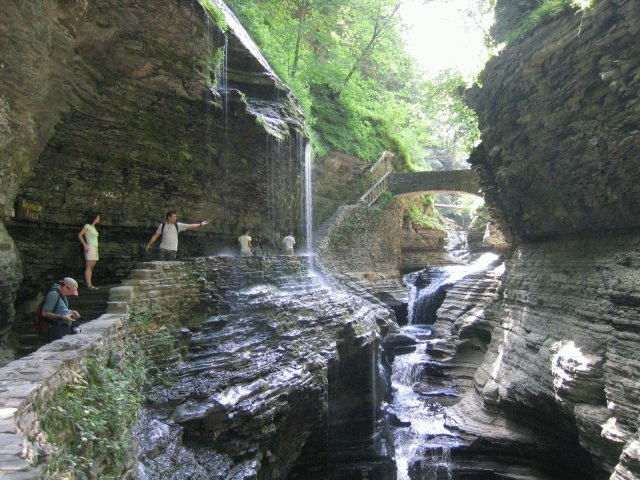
[
  {"x": 91, "y": 253},
  {"x": 165, "y": 255}
]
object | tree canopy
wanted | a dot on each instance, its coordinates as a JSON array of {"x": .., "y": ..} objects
[{"x": 347, "y": 63}]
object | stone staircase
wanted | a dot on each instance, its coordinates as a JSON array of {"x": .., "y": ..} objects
[{"x": 91, "y": 303}]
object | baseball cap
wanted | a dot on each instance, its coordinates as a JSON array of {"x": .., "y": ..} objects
[{"x": 71, "y": 283}]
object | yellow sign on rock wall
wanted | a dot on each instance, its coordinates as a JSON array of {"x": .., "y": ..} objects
[{"x": 28, "y": 209}]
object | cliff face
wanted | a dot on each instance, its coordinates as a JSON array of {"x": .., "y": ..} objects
[
  {"x": 107, "y": 105},
  {"x": 132, "y": 110},
  {"x": 559, "y": 158},
  {"x": 560, "y": 122}
]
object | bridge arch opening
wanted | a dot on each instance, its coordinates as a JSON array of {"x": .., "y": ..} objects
[{"x": 460, "y": 207}]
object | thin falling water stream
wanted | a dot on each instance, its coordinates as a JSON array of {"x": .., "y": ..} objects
[{"x": 308, "y": 197}]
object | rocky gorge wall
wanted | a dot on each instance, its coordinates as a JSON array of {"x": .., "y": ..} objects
[
  {"x": 561, "y": 366},
  {"x": 132, "y": 111},
  {"x": 559, "y": 119}
]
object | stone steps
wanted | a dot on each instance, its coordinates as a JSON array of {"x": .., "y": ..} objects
[{"x": 91, "y": 303}]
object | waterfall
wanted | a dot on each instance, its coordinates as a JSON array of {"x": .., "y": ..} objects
[
  {"x": 426, "y": 301},
  {"x": 216, "y": 77},
  {"x": 223, "y": 89},
  {"x": 308, "y": 197},
  {"x": 438, "y": 466},
  {"x": 223, "y": 85},
  {"x": 421, "y": 386},
  {"x": 428, "y": 288},
  {"x": 269, "y": 387}
]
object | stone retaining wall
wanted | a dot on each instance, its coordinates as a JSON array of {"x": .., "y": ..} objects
[{"x": 179, "y": 290}]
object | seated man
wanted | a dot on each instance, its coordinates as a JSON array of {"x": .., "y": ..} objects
[{"x": 56, "y": 308}]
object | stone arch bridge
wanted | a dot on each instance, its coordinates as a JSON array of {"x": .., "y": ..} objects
[{"x": 445, "y": 181}]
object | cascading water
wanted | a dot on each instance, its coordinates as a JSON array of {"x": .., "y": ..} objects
[
  {"x": 428, "y": 288},
  {"x": 308, "y": 197},
  {"x": 223, "y": 85},
  {"x": 422, "y": 391},
  {"x": 278, "y": 165},
  {"x": 250, "y": 394}
]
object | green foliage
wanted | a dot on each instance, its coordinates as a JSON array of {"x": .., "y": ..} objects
[
  {"x": 184, "y": 152},
  {"x": 209, "y": 67},
  {"x": 467, "y": 205},
  {"x": 88, "y": 421},
  {"x": 362, "y": 217},
  {"x": 421, "y": 211},
  {"x": 480, "y": 220},
  {"x": 548, "y": 9},
  {"x": 346, "y": 125},
  {"x": 385, "y": 199},
  {"x": 216, "y": 15},
  {"x": 452, "y": 127},
  {"x": 342, "y": 232},
  {"x": 346, "y": 62}
]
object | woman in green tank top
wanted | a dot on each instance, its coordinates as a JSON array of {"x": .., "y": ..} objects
[{"x": 88, "y": 237}]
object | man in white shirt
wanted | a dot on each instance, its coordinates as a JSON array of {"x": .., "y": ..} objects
[
  {"x": 288, "y": 243},
  {"x": 245, "y": 241},
  {"x": 169, "y": 232}
]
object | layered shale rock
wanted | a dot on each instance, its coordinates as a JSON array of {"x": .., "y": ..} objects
[
  {"x": 560, "y": 123},
  {"x": 285, "y": 385},
  {"x": 561, "y": 361},
  {"x": 559, "y": 164},
  {"x": 132, "y": 110}
]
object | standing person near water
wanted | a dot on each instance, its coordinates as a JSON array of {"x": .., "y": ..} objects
[
  {"x": 169, "y": 231},
  {"x": 288, "y": 243},
  {"x": 246, "y": 248},
  {"x": 88, "y": 237}
]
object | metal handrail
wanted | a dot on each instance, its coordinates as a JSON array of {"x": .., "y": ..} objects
[
  {"x": 383, "y": 164},
  {"x": 376, "y": 190}
]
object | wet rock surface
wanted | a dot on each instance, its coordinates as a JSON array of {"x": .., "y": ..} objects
[
  {"x": 263, "y": 386},
  {"x": 546, "y": 367}
]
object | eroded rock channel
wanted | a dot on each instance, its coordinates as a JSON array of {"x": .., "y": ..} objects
[
  {"x": 299, "y": 380},
  {"x": 286, "y": 384}
]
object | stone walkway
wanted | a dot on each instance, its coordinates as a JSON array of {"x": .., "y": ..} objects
[{"x": 30, "y": 378}]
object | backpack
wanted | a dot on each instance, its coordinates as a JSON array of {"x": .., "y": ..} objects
[
  {"x": 161, "y": 231},
  {"x": 42, "y": 324}
]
